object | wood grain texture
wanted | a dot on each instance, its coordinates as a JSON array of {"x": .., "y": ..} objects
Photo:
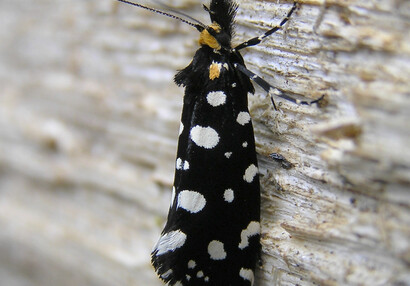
[{"x": 89, "y": 121}]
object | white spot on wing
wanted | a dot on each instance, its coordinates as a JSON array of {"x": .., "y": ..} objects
[
  {"x": 187, "y": 277},
  {"x": 228, "y": 154},
  {"x": 178, "y": 283},
  {"x": 245, "y": 144},
  {"x": 205, "y": 137},
  {"x": 254, "y": 228},
  {"x": 191, "y": 201},
  {"x": 191, "y": 264},
  {"x": 247, "y": 274},
  {"x": 216, "y": 98},
  {"x": 228, "y": 195},
  {"x": 200, "y": 274},
  {"x": 243, "y": 118},
  {"x": 170, "y": 242},
  {"x": 178, "y": 164},
  {"x": 173, "y": 196},
  {"x": 181, "y": 128},
  {"x": 216, "y": 250},
  {"x": 186, "y": 165},
  {"x": 206, "y": 279},
  {"x": 250, "y": 173}
]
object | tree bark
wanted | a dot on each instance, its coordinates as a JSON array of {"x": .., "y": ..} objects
[{"x": 89, "y": 120}]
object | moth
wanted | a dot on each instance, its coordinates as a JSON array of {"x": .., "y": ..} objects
[{"x": 212, "y": 233}]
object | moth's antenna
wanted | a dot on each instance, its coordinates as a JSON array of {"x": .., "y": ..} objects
[
  {"x": 170, "y": 9},
  {"x": 200, "y": 27}
]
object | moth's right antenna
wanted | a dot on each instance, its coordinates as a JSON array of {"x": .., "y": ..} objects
[{"x": 200, "y": 27}]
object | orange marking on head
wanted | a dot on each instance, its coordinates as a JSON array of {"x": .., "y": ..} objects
[{"x": 208, "y": 40}]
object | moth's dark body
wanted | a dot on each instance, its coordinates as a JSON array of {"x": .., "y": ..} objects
[
  {"x": 214, "y": 170},
  {"x": 212, "y": 173}
]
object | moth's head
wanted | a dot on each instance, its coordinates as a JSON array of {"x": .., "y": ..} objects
[
  {"x": 218, "y": 35},
  {"x": 214, "y": 37}
]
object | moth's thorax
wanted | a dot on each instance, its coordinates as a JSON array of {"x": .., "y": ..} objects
[{"x": 214, "y": 37}]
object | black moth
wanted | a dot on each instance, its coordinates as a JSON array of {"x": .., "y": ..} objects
[{"x": 212, "y": 233}]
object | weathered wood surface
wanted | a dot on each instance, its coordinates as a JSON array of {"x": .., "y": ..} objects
[{"x": 89, "y": 120}]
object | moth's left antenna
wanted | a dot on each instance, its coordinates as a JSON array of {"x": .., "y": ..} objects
[{"x": 200, "y": 27}]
